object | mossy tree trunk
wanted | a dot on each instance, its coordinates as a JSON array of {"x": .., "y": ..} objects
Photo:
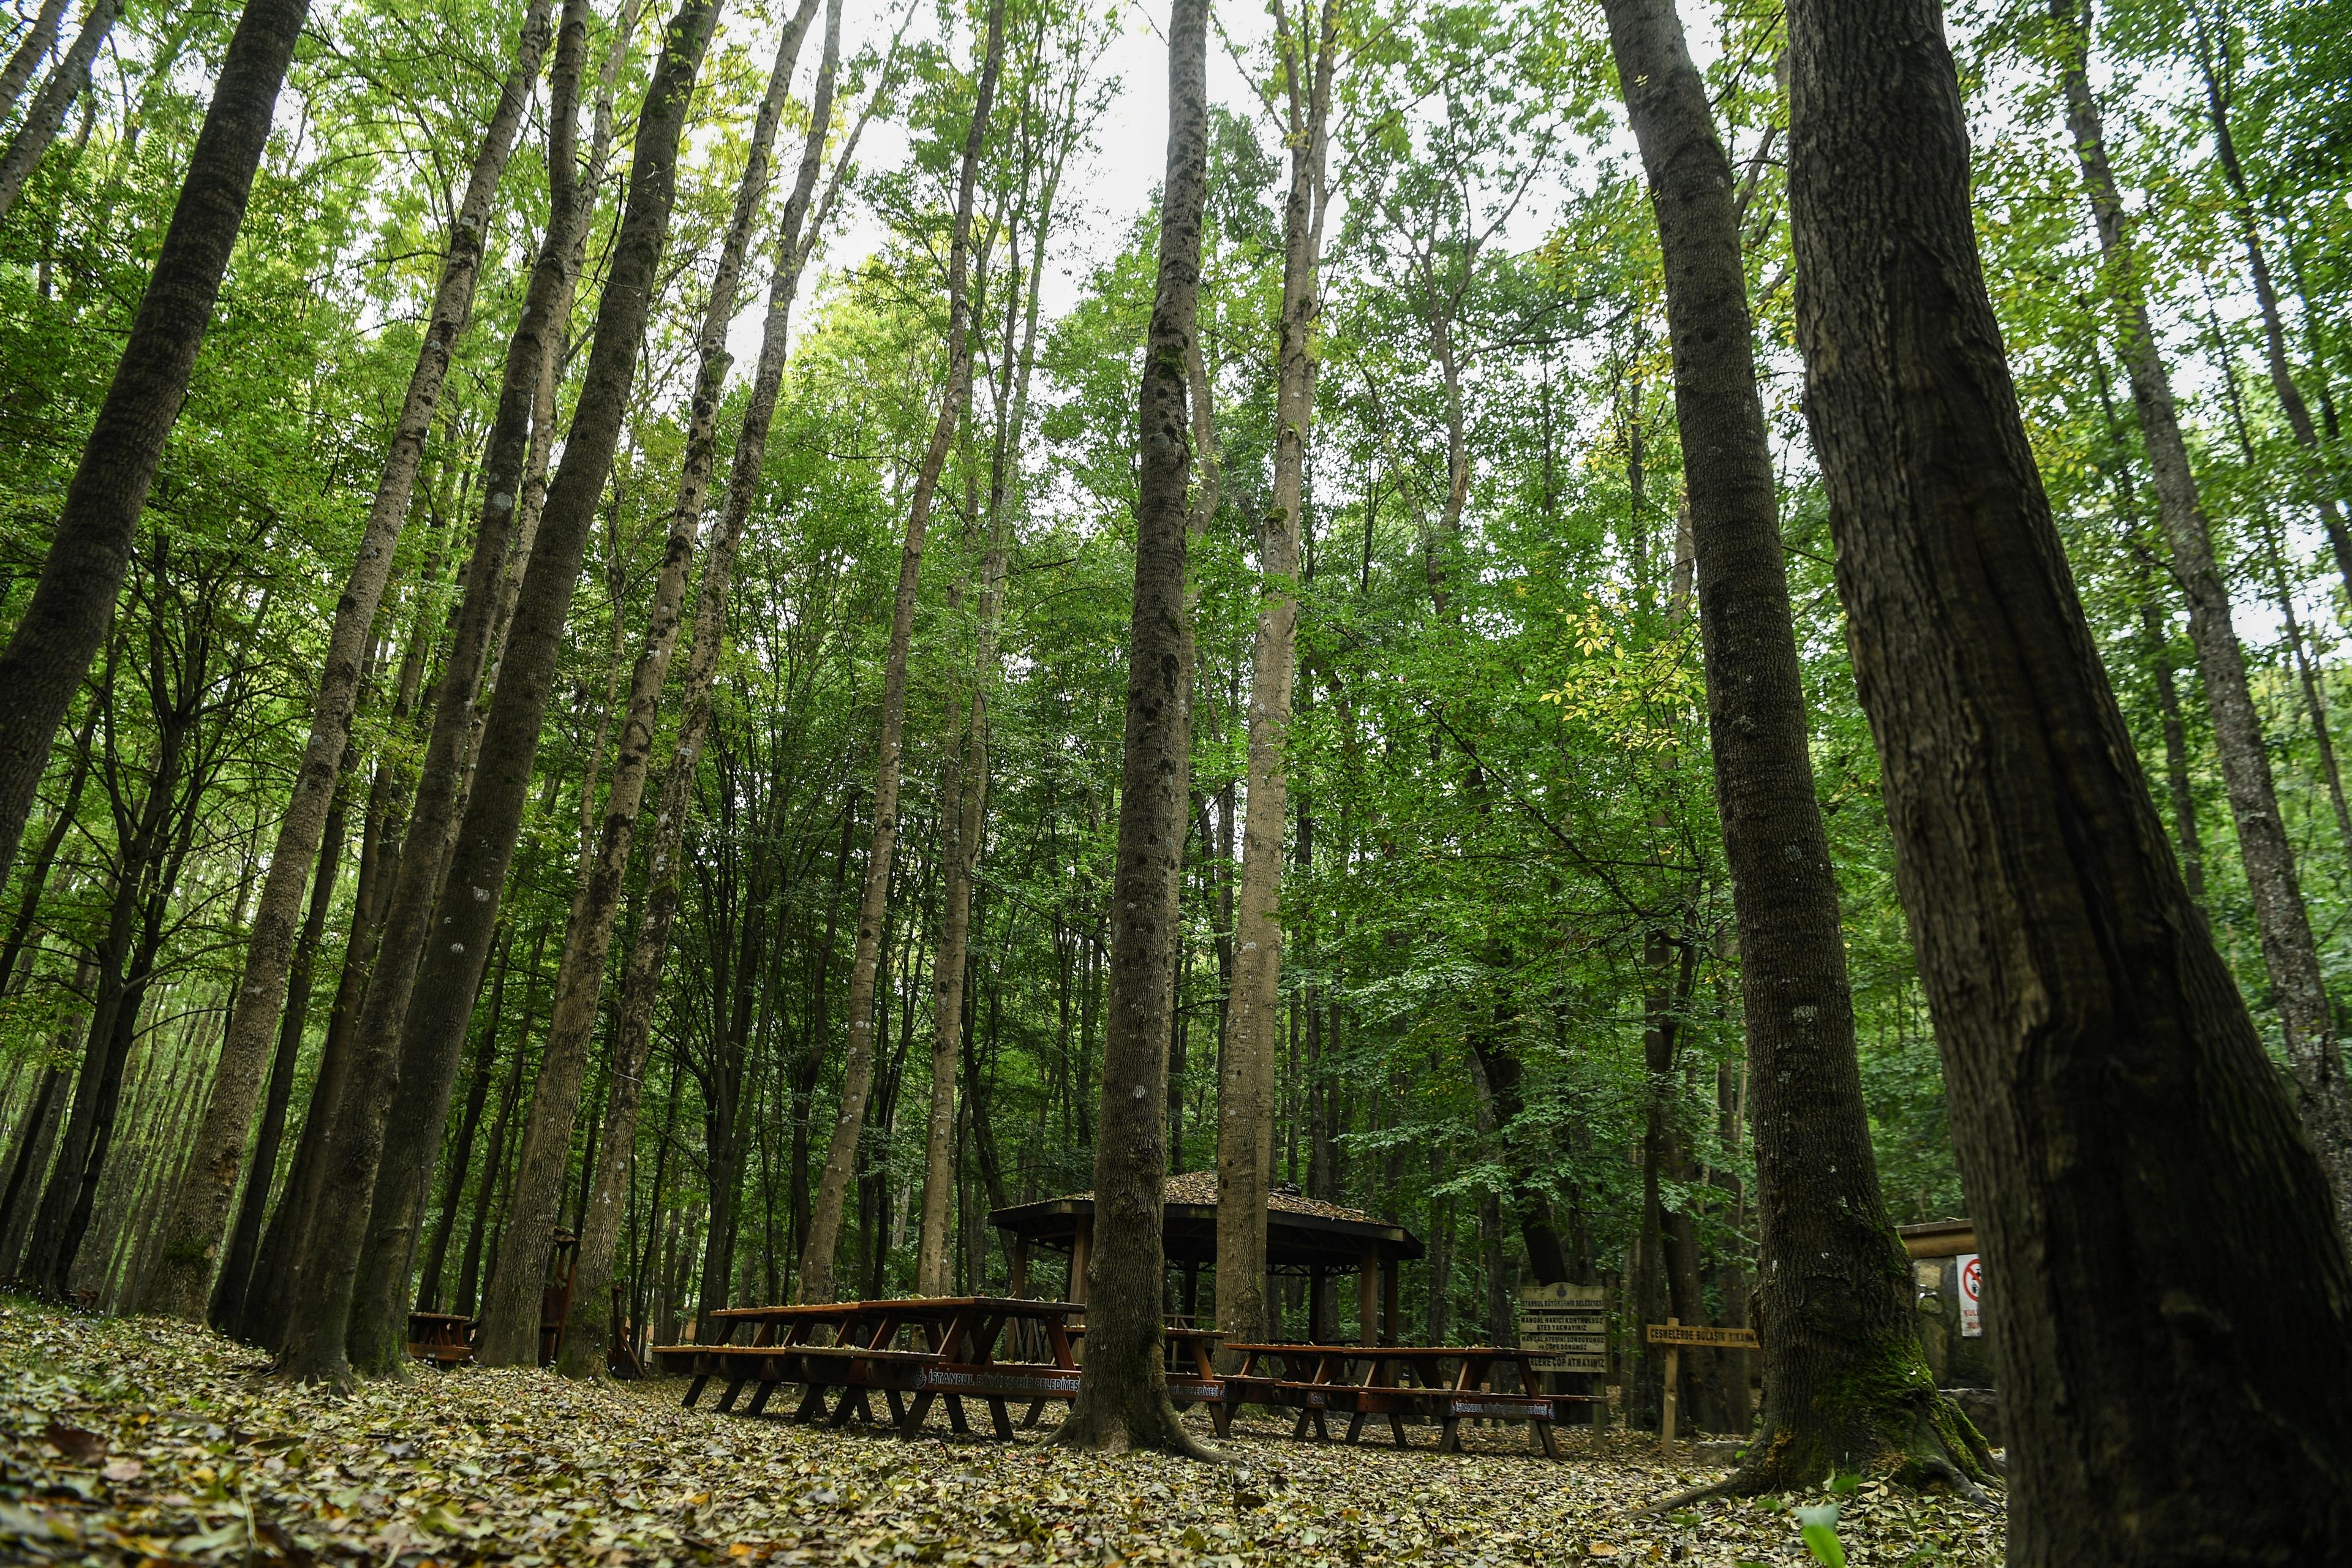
[
  {"x": 2173, "y": 1326},
  {"x": 1845, "y": 1384}
]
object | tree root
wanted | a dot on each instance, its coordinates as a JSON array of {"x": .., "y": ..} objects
[
  {"x": 1103, "y": 1428},
  {"x": 1727, "y": 1486},
  {"x": 1925, "y": 1443}
]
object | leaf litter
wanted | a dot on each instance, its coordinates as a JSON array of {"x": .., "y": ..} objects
[{"x": 152, "y": 1441}]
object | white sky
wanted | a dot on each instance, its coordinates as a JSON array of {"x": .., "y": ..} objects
[{"x": 1117, "y": 178}]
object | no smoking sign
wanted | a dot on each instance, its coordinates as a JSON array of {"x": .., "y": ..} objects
[{"x": 1971, "y": 1295}]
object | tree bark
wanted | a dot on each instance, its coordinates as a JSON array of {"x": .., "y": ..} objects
[
  {"x": 449, "y": 972},
  {"x": 494, "y": 1162},
  {"x": 261, "y": 1318},
  {"x": 89, "y": 551},
  {"x": 2156, "y": 637},
  {"x": 587, "y": 1333},
  {"x": 193, "y": 1233},
  {"x": 1254, "y": 1009},
  {"x": 963, "y": 808},
  {"x": 26, "y": 59},
  {"x": 226, "y": 1306},
  {"x": 2160, "y": 1230},
  {"x": 68, "y": 81},
  {"x": 509, "y": 1335},
  {"x": 31, "y": 1163},
  {"x": 36, "y": 875},
  {"x": 2274, "y": 557},
  {"x": 124, "y": 956},
  {"x": 1122, "y": 1400},
  {"x": 479, "y": 1073},
  {"x": 968, "y": 778},
  {"x": 320, "y": 1272},
  {"x": 2290, "y": 955},
  {"x": 815, "y": 1272},
  {"x": 1844, "y": 1380},
  {"x": 2326, "y": 497}
]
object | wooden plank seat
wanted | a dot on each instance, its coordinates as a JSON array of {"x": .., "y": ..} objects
[
  {"x": 444, "y": 1339},
  {"x": 842, "y": 1351},
  {"x": 1393, "y": 1382}
]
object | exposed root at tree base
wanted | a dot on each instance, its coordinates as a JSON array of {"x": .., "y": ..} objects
[
  {"x": 1107, "y": 1430},
  {"x": 1934, "y": 1446}
]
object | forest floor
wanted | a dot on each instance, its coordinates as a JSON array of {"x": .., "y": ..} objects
[{"x": 138, "y": 1440}]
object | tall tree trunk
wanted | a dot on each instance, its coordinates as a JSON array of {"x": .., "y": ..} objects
[
  {"x": 479, "y": 1074},
  {"x": 2291, "y": 956},
  {"x": 194, "y": 1238},
  {"x": 587, "y": 1333},
  {"x": 1843, "y": 1378},
  {"x": 26, "y": 59},
  {"x": 226, "y": 1308},
  {"x": 121, "y": 964},
  {"x": 261, "y": 1319},
  {"x": 89, "y": 550},
  {"x": 68, "y": 81},
  {"x": 36, "y": 875},
  {"x": 510, "y": 1317},
  {"x": 2156, "y": 637},
  {"x": 2326, "y": 497},
  {"x": 968, "y": 776},
  {"x": 30, "y": 1162},
  {"x": 963, "y": 805},
  {"x": 319, "y": 1272},
  {"x": 393, "y": 922},
  {"x": 450, "y": 972},
  {"x": 2157, "y": 1227},
  {"x": 1122, "y": 1400},
  {"x": 494, "y": 1162},
  {"x": 1253, "y": 1010},
  {"x": 2273, "y": 566},
  {"x": 815, "y": 1283}
]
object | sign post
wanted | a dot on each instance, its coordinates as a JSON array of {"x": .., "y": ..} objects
[
  {"x": 1673, "y": 1334},
  {"x": 1568, "y": 1323}
]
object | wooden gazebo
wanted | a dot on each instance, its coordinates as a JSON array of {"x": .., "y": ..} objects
[{"x": 1305, "y": 1237}]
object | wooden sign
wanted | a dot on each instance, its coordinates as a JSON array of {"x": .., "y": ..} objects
[
  {"x": 1673, "y": 1333},
  {"x": 1698, "y": 1334},
  {"x": 1570, "y": 1324}
]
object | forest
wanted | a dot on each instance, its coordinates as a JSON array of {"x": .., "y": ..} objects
[{"x": 1645, "y": 644}]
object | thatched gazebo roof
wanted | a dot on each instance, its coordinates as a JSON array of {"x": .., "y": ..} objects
[{"x": 1303, "y": 1234}]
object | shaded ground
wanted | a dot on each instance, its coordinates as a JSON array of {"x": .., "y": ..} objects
[{"x": 124, "y": 1440}]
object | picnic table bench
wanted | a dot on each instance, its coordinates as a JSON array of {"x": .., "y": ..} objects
[
  {"x": 1391, "y": 1380},
  {"x": 920, "y": 1351},
  {"x": 840, "y": 1352},
  {"x": 444, "y": 1338}
]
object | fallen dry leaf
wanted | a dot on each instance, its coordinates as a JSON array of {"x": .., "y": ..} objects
[
  {"x": 531, "y": 1471},
  {"x": 73, "y": 1442}
]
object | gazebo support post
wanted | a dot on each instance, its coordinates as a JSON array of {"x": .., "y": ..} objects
[
  {"x": 1368, "y": 1297},
  {"x": 1192, "y": 1292},
  {"x": 1388, "y": 1315},
  {"x": 1017, "y": 1277},
  {"x": 1318, "y": 1292}
]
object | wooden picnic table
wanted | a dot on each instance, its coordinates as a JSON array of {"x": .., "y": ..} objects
[
  {"x": 1391, "y": 1381},
  {"x": 840, "y": 1351},
  {"x": 1191, "y": 1351},
  {"x": 444, "y": 1339}
]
